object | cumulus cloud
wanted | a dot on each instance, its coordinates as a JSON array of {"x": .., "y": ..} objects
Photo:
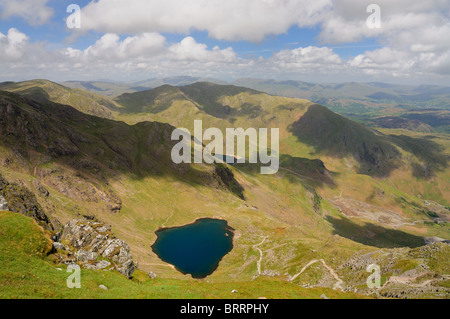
[
  {"x": 146, "y": 53},
  {"x": 385, "y": 61},
  {"x": 189, "y": 49},
  {"x": 110, "y": 47},
  {"x": 36, "y": 12},
  {"x": 149, "y": 54},
  {"x": 346, "y": 22},
  {"x": 150, "y": 47},
  {"x": 251, "y": 20},
  {"x": 413, "y": 33},
  {"x": 307, "y": 57},
  {"x": 12, "y": 45}
]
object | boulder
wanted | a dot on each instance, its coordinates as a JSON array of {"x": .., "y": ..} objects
[
  {"x": 102, "y": 264},
  {"x": 58, "y": 246},
  {"x": 91, "y": 240}
]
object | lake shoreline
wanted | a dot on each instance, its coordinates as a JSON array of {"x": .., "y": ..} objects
[{"x": 227, "y": 227}]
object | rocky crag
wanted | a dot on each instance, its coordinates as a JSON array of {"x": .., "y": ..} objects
[
  {"x": 19, "y": 199},
  {"x": 93, "y": 245}
]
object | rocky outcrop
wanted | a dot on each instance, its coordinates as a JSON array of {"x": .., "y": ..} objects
[
  {"x": 19, "y": 199},
  {"x": 405, "y": 272},
  {"x": 96, "y": 247}
]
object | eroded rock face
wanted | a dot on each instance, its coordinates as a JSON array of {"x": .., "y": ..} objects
[
  {"x": 93, "y": 240},
  {"x": 19, "y": 199}
]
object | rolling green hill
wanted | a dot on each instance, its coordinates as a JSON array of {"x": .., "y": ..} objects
[
  {"x": 355, "y": 97},
  {"x": 414, "y": 108},
  {"x": 301, "y": 122},
  {"x": 335, "y": 135},
  {"x": 337, "y": 203},
  {"x": 44, "y": 90},
  {"x": 28, "y": 271}
]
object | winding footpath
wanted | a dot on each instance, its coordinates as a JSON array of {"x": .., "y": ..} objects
[
  {"x": 258, "y": 263},
  {"x": 339, "y": 282}
]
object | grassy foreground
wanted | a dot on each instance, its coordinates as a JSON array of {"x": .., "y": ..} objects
[{"x": 27, "y": 270}]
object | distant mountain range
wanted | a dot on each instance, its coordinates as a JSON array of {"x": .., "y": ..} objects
[
  {"x": 338, "y": 95},
  {"x": 418, "y": 108}
]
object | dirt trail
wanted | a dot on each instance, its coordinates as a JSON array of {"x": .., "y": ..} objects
[
  {"x": 156, "y": 264},
  {"x": 258, "y": 263},
  {"x": 169, "y": 217},
  {"x": 406, "y": 280},
  {"x": 339, "y": 282}
]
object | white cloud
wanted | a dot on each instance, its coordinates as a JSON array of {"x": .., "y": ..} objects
[
  {"x": 36, "y": 12},
  {"x": 109, "y": 46},
  {"x": 346, "y": 22},
  {"x": 413, "y": 33},
  {"x": 385, "y": 61},
  {"x": 149, "y": 47},
  {"x": 251, "y": 20},
  {"x": 188, "y": 49},
  {"x": 12, "y": 45},
  {"x": 149, "y": 55},
  {"x": 312, "y": 56}
]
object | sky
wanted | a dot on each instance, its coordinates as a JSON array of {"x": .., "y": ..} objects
[{"x": 402, "y": 41}]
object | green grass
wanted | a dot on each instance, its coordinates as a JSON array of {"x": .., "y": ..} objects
[
  {"x": 154, "y": 193},
  {"x": 44, "y": 90},
  {"x": 27, "y": 271}
]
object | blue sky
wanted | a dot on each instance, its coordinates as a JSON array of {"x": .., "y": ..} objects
[{"x": 321, "y": 41}]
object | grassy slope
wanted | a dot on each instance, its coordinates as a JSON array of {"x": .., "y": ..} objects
[
  {"x": 152, "y": 200},
  {"x": 280, "y": 112},
  {"x": 84, "y": 101},
  {"x": 403, "y": 193},
  {"x": 28, "y": 271},
  {"x": 279, "y": 207}
]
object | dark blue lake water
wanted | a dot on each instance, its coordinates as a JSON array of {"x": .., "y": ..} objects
[{"x": 197, "y": 248}]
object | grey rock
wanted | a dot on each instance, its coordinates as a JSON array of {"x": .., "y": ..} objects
[
  {"x": 58, "y": 246},
  {"x": 92, "y": 239},
  {"x": 84, "y": 255},
  {"x": 152, "y": 275},
  {"x": 102, "y": 264},
  {"x": 21, "y": 200},
  {"x": 103, "y": 287}
]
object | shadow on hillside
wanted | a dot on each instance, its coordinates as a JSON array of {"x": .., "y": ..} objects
[
  {"x": 312, "y": 172},
  {"x": 374, "y": 235},
  {"x": 332, "y": 134},
  {"x": 426, "y": 150},
  {"x": 93, "y": 148}
]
